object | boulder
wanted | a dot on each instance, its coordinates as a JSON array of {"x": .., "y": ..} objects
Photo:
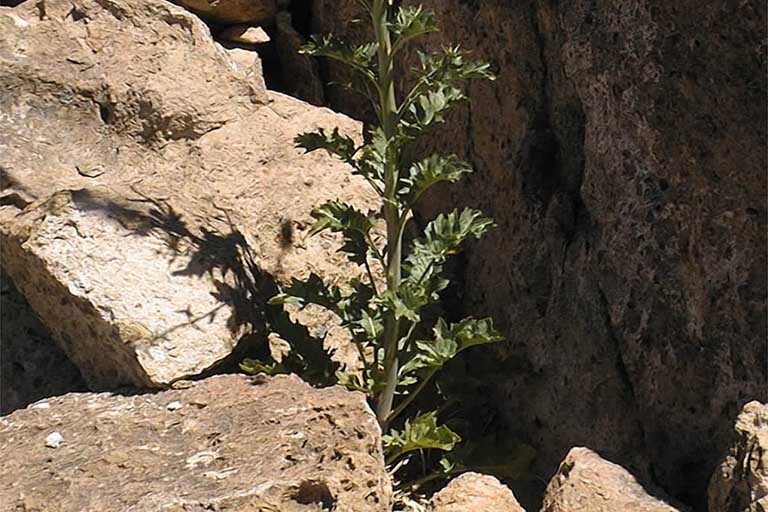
[
  {"x": 740, "y": 482},
  {"x": 473, "y": 491},
  {"x": 151, "y": 197},
  {"x": 32, "y": 366},
  {"x": 257, "y": 12},
  {"x": 585, "y": 482},
  {"x": 225, "y": 443}
]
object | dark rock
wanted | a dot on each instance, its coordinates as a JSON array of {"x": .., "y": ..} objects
[{"x": 622, "y": 152}]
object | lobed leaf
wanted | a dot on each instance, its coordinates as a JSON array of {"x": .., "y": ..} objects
[
  {"x": 428, "y": 172},
  {"x": 359, "y": 57},
  {"x": 355, "y": 226},
  {"x": 442, "y": 237},
  {"x": 449, "y": 341},
  {"x": 420, "y": 433},
  {"x": 411, "y": 22},
  {"x": 436, "y": 91}
]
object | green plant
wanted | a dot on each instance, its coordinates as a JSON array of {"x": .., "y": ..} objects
[{"x": 385, "y": 319}]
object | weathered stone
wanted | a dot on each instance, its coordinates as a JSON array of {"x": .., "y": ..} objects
[
  {"x": 740, "y": 482},
  {"x": 475, "y": 492},
  {"x": 585, "y": 482},
  {"x": 620, "y": 153},
  {"x": 158, "y": 267},
  {"x": 32, "y": 366},
  {"x": 235, "y": 444},
  {"x": 244, "y": 34},
  {"x": 257, "y": 12},
  {"x": 245, "y": 60}
]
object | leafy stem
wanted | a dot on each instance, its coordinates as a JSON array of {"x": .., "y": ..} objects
[{"x": 382, "y": 317}]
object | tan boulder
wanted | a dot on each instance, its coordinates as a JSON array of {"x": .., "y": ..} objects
[
  {"x": 740, "y": 482},
  {"x": 225, "y": 443},
  {"x": 477, "y": 493},
  {"x": 152, "y": 197},
  {"x": 260, "y": 12},
  {"x": 585, "y": 482}
]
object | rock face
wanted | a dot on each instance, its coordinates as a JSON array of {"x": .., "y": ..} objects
[
  {"x": 473, "y": 491},
  {"x": 620, "y": 154},
  {"x": 32, "y": 366},
  {"x": 151, "y": 196},
  {"x": 260, "y": 12},
  {"x": 587, "y": 483},
  {"x": 227, "y": 443},
  {"x": 740, "y": 483}
]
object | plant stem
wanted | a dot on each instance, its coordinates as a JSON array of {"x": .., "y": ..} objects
[
  {"x": 387, "y": 114},
  {"x": 412, "y": 395}
]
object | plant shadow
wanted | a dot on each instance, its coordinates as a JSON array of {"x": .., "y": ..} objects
[{"x": 241, "y": 285}]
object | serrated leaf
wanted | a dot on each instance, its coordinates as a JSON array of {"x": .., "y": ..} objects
[
  {"x": 428, "y": 172},
  {"x": 359, "y": 57},
  {"x": 355, "y": 226},
  {"x": 436, "y": 89},
  {"x": 448, "y": 341},
  {"x": 401, "y": 306},
  {"x": 409, "y": 23},
  {"x": 442, "y": 237},
  {"x": 419, "y": 433},
  {"x": 353, "y": 382}
]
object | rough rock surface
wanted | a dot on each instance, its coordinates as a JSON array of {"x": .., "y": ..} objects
[
  {"x": 475, "y": 492},
  {"x": 740, "y": 482},
  {"x": 228, "y": 443},
  {"x": 151, "y": 195},
  {"x": 233, "y": 11},
  {"x": 32, "y": 366},
  {"x": 585, "y": 482},
  {"x": 620, "y": 153}
]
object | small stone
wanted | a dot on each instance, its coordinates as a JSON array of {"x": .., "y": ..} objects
[
  {"x": 243, "y": 34},
  {"x": 54, "y": 440},
  {"x": 174, "y": 406},
  {"x": 41, "y": 405}
]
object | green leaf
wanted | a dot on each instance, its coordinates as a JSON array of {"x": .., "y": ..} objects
[
  {"x": 353, "y": 382},
  {"x": 420, "y": 433},
  {"x": 450, "y": 340},
  {"x": 436, "y": 88},
  {"x": 400, "y": 305},
  {"x": 355, "y": 226},
  {"x": 359, "y": 57},
  {"x": 369, "y": 327},
  {"x": 411, "y": 22},
  {"x": 429, "y": 171},
  {"x": 254, "y": 367},
  {"x": 442, "y": 237}
]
